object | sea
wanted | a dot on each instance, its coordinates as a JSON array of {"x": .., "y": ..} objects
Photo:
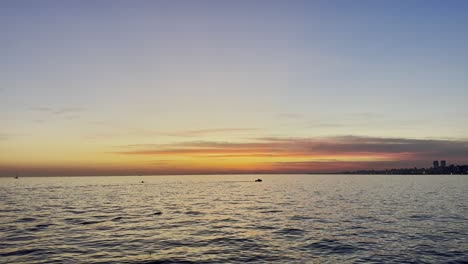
[{"x": 233, "y": 219}]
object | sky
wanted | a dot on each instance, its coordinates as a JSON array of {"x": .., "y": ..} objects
[{"x": 194, "y": 87}]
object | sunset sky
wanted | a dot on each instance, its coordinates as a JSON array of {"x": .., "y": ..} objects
[{"x": 190, "y": 87}]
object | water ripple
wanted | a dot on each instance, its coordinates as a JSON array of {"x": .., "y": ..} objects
[{"x": 230, "y": 219}]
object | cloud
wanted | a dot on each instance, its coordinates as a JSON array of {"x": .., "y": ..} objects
[
  {"x": 47, "y": 114},
  {"x": 329, "y": 153},
  {"x": 205, "y": 132},
  {"x": 41, "y": 109},
  {"x": 330, "y": 145},
  {"x": 365, "y": 115},
  {"x": 361, "y": 120},
  {"x": 355, "y": 144},
  {"x": 267, "y": 155},
  {"x": 290, "y": 116},
  {"x": 150, "y": 133},
  {"x": 58, "y": 111}
]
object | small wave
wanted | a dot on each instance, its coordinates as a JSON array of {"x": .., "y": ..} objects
[
  {"x": 194, "y": 213},
  {"x": 271, "y": 211},
  {"x": 21, "y": 238},
  {"x": 179, "y": 243},
  {"x": 39, "y": 227},
  {"x": 357, "y": 227},
  {"x": 300, "y": 217},
  {"x": 26, "y": 219},
  {"x": 254, "y": 208},
  {"x": 76, "y": 211},
  {"x": 10, "y": 210},
  {"x": 229, "y": 240},
  {"x": 211, "y": 232},
  {"x": 329, "y": 246},
  {"x": 291, "y": 231},
  {"x": 101, "y": 216},
  {"x": 430, "y": 250},
  {"x": 20, "y": 252},
  {"x": 170, "y": 261},
  {"x": 263, "y": 227},
  {"x": 420, "y": 217},
  {"x": 224, "y": 220},
  {"x": 91, "y": 222}
]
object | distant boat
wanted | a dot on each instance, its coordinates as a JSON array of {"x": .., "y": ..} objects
[
  {"x": 258, "y": 180},
  {"x": 16, "y": 176}
]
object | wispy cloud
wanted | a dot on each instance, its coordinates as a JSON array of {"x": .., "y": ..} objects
[
  {"x": 57, "y": 111},
  {"x": 361, "y": 120},
  {"x": 182, "y": 133},
  {"x": 290, "y": 116},
  {"x": 340, "y": 144},
  {"x": 208, "y": 131}
]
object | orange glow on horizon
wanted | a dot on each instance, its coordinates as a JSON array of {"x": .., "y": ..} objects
[{"x": 268, "y": 155}]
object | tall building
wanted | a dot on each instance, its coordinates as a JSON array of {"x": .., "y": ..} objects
[
  {"x": 443, "y": 164},
  {"x": 436, "y": 164}
]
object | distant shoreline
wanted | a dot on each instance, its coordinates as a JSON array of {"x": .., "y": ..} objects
[
  {"x": 449, "y": 170},
  {"x": 370, "y": 172}
]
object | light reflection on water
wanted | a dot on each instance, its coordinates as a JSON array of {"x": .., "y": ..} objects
[{"x": 219, "y": 219}]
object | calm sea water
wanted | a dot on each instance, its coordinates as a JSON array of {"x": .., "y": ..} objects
[{"x": 231, "y": 219}]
